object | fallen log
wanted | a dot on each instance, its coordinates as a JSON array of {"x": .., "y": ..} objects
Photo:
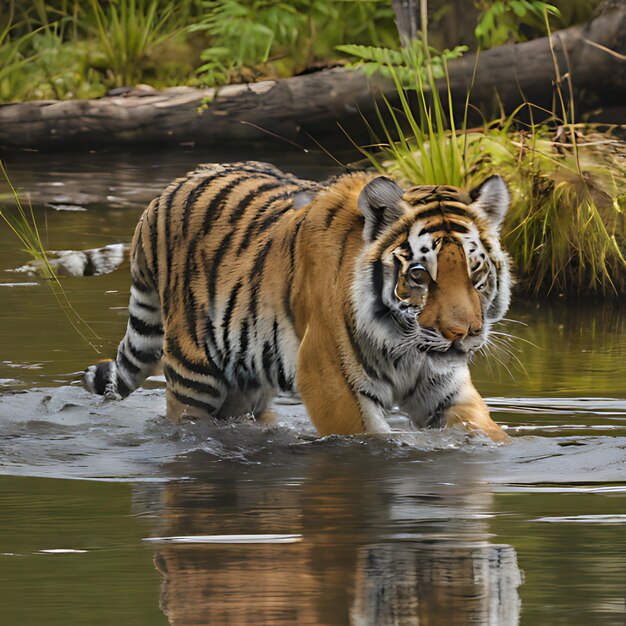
[{"x": 297, "y": 108}]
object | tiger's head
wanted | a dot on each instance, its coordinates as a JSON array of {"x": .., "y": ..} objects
[{"x": 432, "y": 272}]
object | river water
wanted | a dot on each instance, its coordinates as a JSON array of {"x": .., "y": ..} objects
[{"x": 110, "y": 515}]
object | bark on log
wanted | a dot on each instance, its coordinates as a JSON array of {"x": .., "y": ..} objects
[{"x": 313, "y": 104}]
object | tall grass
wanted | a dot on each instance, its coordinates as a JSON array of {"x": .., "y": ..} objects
[
  {"x": 128, "y": 30},
  {"x": 24, "y": 226},
  {"x": 566, "y": 228}
]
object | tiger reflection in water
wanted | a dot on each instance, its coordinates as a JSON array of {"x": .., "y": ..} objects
[{"x": 348, "y": 568}]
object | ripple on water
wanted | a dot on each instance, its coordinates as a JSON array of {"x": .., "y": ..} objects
[{"x": 66, "y": 432}]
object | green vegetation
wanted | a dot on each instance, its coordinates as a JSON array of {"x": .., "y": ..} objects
[
  {"x": 566, "y": 229},
  {"x": 59, "y": 49},
  {"x": 71, "y": 49},
  {"x": 127, "y": 32},
  {"x": 500, "y": 21},
  {"x": 251, "y": 39},
  {"x": 403, "y": 63}
]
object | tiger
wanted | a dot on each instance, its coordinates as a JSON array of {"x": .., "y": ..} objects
[{"x": 355, "y": 293}]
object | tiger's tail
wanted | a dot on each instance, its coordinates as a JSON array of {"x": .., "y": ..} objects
[{"x": 140, "y": 351}]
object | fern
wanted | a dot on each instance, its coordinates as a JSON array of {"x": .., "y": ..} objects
[
  {"x": 499, "y": 22},
  {"x": 401, "y": 65}
]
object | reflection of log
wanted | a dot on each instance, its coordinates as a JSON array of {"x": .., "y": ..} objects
[{"x": 313, "y": 103}]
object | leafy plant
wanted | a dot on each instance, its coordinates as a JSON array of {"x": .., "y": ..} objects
[
  {"x": 401, "y": 64},
  {"x": 500, "y": 20},
  {"x": 275, "y": 38}
]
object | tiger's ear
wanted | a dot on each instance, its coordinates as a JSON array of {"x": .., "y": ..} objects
[
  {"x": 492, "y": 198},
  {"x": 380, "y": 202}
]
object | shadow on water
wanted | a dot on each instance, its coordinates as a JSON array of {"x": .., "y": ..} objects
[{"x": 111, "y": 515}]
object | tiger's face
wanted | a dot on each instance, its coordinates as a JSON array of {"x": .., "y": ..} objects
[{"x": 439, "y": 278}]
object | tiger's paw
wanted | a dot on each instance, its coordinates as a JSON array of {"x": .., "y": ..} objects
[{"x": 97, "y": 378}]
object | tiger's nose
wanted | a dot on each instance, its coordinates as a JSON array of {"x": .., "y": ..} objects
[
  {"x": 458, "y": 331},
  {"x": 454, "y": 332}
]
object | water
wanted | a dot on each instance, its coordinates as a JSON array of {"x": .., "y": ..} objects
[{"x": 110, "y": 515}]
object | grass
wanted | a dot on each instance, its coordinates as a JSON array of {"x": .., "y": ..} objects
[
  {"x": 24, "y": 226},
  {"x": 127, "y": 31},
  {"x": 566, "y": 228}
]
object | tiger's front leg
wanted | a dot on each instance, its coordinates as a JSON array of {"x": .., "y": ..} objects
[
  {"x": 335, "y": 408},
  {"x": 470, "y": 411}
]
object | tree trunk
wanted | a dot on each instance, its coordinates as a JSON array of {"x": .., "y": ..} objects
[{"x": 298, "y": 108}]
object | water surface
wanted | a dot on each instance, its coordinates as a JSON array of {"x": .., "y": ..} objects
[{"x": 110, "y": 515}]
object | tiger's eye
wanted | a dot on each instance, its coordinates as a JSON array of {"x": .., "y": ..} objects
[{"x": 418, "y": 276}]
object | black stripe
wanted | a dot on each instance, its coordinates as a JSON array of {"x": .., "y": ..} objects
[
  {"x": 102, "y": 377},
  {"x": 207, "y": 368},
  {"x": 379, "y": 225},
  {"x": 292, "y": 244},
  {"x": 141, "y": 287},
  {"x": 488, "y": 247},
  {"x": 252, "y": 225},
  {"x": 202, "y": 387},
  {"x": 287, "y": 299},
  {"x": 283, "y": 384},
  {"x": 122, "y": 360},
  {"x": 140, "y": 327},
  {"x": 268, "y": 221},
  {"x": 218, "y": 257},
  {"x": 138, "y": 267},
  {"x": 457, "y": 228},
  {"x": 189, "y": 300},
  {"x": 344, "y": 240},
  {"x": 217, "y": 202},
  {"x": 122, "y": 388},
  {"x": 154, "y": 234},
  {"x": 360, "y": 357},
  {"x": 241, "y": 367},
  {"x": 439, "y": 226},
  {"x": 268, "y": 360},
  {"x": 144, "y": 356},
  {"x": 193, "y": 402},
  {"x": 195, "y": 193},
  {"x": 456, "y": 210},
  {"x": 436, "y": 210},
  {"x": 259, "y": 261},
  {"x": 145, "y": 307},
  {"x": 228, "y": 313},
  {"x": 291, "y": 273},
  {"x": 243, "y": 338},
  {"x": 210, "y": 337},
  {"x": 370, "y": 396},
  {"x": 332, "y": 213},
  {"x": 380, "y": 309},
  {"x": 393, "y": 233},
  {"x": 168, "y": 230},
  {"x": 256, "y": 276},
  {"x": 346, "y": 379},
  {"x": 245, "y": 202}
]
